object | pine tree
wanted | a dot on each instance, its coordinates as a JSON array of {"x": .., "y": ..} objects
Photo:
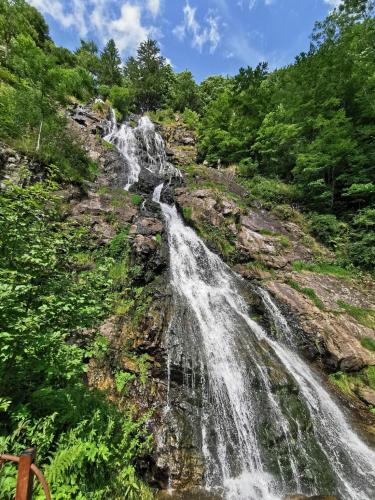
[
  {"x": 110, "y": 62},
  {"x": 150, "y": 75}
]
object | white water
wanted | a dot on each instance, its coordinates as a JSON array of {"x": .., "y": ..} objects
[
  {"x": 213, "y": 336},
  {"x": 142, "y": 147}
]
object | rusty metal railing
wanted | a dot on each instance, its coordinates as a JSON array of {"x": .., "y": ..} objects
[{"x": 26, "y": 472}]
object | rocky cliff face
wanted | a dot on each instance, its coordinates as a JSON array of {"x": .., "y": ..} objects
[{"x": 264, "y": 248}]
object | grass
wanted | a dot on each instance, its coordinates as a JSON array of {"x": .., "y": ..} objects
[
  {"x": 342, "y": 381},
  {"x": 365, "y": 317},
  {"x": 321, "y": 268},
  {"x": 348, "y": 383},
  {"x": 309, "y": 292},
  {"x": 368, "y": 343},
  {"x": 370, "y": 375},
  {"x": 284, "y": 240},
  {"x": 187, "y": 212},
  {"x": 119, "y": 273}
]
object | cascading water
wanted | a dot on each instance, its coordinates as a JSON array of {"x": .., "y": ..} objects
[
  {"x": 141, "y": 147},
  {"x": 258, "y": 415},
  {"x": 267, "y": 427}
]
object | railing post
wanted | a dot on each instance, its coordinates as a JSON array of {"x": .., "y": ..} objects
[{"x": 24, "y": 490}]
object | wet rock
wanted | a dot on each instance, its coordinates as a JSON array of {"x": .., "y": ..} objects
[
  {"x": 339, "y": 334},
  {"x": 367, "y": 395}
]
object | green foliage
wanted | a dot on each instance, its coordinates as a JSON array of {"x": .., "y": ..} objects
[
  {"x": 187, "y": 212},
  {"x": 184, "y": 92},
  {"x": 109, "y": 68},
  {"x": 222, "y": 238},
  {"x": 322, "y": 268},
  {"x": 309, "y": 292},
  {"x": 327, "y": 228},
  {"x": 149, "y": 76},
  {"x": 342, "y": 381},
  {"x": 122, "y": 379},
  {"x": 311, "y": 125},
  {"x": 191, "y": 118},
  {"x": 364, "y": 316},
  {"x": 122, "y": 99},
  {"x": 137, "y": 199},
  {"x": 368, "y": 343},
  {"x": 272, "y": 191},
  {"x": 85, "y": 444}
]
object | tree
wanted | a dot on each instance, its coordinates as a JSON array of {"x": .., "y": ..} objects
[
  {"x": 184, "y": 92},
  {"x": 150, "y": 76},
  {"x": 210, "y": 89},
  {"x": 110, "y": 62},
  {"x": 87, "y": 56}
]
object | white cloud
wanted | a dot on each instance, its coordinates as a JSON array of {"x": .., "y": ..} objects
[
  {"x": 121, "y": 20},
  {"x": 252, "y": 3},
  {"x": 128, "y": 31},
  {"x": 200, "y": 35},
  {"x": 72, "y": 17},
  {"x": 153, "y": 6},
  {"x": 333, "y": 3}
]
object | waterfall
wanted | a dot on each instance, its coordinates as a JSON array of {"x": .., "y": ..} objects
[
  {"x": 141, "y": 147},
  {"x": 265, "y": 424},
  {"x": 257, "y": 414}
]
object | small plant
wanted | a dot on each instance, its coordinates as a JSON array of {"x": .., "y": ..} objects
[
  {"x": 119, "y": 243},
  {"x": 158, "y": 238},
  {"x": 187, "y": 212},
  {"x": 108, "y": 145},
  {"x": 136, "y": 199},
  {"x": 143, "y": 366},
  {"x": 284, "y": 241},
  {"x": 342, "y": 381},
  {"x": 370, "y": 375},
  {"x": 119, "y": 274},
  {"x": 122, "y": 379}
]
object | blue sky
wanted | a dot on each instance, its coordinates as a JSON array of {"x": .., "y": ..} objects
[{"x": 206, "y": 36}]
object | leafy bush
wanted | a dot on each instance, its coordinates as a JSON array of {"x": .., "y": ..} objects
[
  {"x": 272, "y": 190},
  {"x": 86, "y": 445},
  {"x": 327, "y": 228},
  {"x": 122, "y": 99},
  {"x": 191, "y": 118}
]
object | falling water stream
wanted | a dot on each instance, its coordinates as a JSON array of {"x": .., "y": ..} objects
[
  {"x": 140, "y": 146},
  {"x": 264, "y": 423}
]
